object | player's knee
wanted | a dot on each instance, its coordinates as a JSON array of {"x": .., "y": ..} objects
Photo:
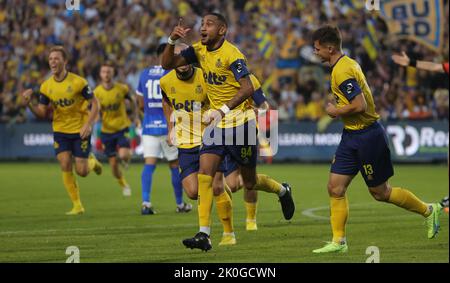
[
  {"x": 82, "y": 172},
  {"x": 233, "y": 187},
  {"x": 192, "y": 195},
  {"x": 249, "y": 184},
  {"x": 380, "y": 195},
  {"x": 335, "y": 190}
]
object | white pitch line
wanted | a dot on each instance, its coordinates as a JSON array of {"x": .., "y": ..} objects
[{"x": 310, "y": 212}]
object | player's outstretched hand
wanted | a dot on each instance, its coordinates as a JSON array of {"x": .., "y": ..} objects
[
  {"x": 179, "y": 31},
  {"x": 85, "y": 131},
  {"x": 402, "y": 60},
  {"x": 26, "y": 95}
]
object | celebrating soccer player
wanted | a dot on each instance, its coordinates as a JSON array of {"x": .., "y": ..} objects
[
  {"x": 363, "y": 147},
  {"x": 70, "y": 97},
  {"x": 115, "y": 122},
  {"x": 185, "y": 99},
  {"x": 154, "y": 137},
  {"x": 228, "y": 89}
]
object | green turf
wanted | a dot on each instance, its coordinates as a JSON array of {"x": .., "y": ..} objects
[{"x": 33, "y": 227}]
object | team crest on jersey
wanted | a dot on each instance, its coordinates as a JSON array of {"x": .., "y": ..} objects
[
  {"x": 117, "y": 95},
  {"x": 198, "y": 89},
  {"x": 202, "y": 58},
  {"x": 172, "y": 90},
  {"x": 219, "y": 63},
  {"x": 69, "y": 89}
]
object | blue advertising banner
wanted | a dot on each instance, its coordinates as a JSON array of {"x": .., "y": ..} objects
[{"x": 410, "y": 141}]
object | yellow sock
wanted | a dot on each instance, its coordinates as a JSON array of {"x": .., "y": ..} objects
[
  {"x": 91, "y": 164},
  {"x": 122, "y": 182},
  {"x": 72, "y": 187},
  {"x": 267, "y": 184},
  {"x": 251, "y": 210},
  {"x": 205, "y": 199},
  {"x": 407, "y": 200},
  {"x": 225, "y": 211},
  {"x": 338, "y": 217}
]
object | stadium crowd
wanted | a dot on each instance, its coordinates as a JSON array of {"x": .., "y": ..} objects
[{"x": 274, "y": 35}]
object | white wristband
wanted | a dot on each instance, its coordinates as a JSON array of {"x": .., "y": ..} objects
[
  {"x": 170, "y": 41},
  {"x": 225, "y": 109}
]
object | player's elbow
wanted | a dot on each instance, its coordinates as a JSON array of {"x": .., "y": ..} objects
[{"x": 166, "y": 63}]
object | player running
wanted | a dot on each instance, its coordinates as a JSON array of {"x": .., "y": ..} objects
[
  {"x": 184, "y": 102},
  {"x": 111, "y": 96},
  {"x": 228, "y": 88},
  {"x": 363, "y": 147},
  {"x": 154, "y": 137},
  {"x": 70, "y": 97}
]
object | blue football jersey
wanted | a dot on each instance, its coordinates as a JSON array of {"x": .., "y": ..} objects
[{"x": 154, "y": 123}]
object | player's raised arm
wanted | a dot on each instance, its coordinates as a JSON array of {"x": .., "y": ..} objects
[
  {"x": 405, "y": 61},
  {"x": 169, "y": 60}
]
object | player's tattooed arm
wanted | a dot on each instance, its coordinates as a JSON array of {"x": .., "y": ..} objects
[{"x": 245, "y": 91}]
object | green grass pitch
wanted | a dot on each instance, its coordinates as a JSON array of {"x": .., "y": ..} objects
[{"x": 33, "y": 227}]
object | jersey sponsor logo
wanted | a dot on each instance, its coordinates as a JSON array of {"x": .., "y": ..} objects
[
  {"x": 63, "y": 102},
  {"x": 188, "y": 105},
  {"x": 111, "y": 107},
  {"x": 214, "y": 79}
]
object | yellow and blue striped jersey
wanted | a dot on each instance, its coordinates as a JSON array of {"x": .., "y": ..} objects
[
  {"x": 189, "y": 101},
  {"x": 113, "y": 108},
  {"x": 348, "y": 81},
  {"x": 222, "y": 69},
  {"x": 69, "y": 99}
]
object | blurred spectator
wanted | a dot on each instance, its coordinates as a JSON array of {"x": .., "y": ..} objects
[{"x": 274, "y": 35}]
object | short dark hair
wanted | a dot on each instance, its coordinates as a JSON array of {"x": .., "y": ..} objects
[
  {"x": 61, "y": 49},
  {"x": 221, "y": 18},
  {"x": 161, "y": 48},
  {"x": 328, "y": 35},
  {"x": 108, "y": 63}
]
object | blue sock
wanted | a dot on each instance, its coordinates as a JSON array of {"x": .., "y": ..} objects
[
  {"x": 177, "y": 187},
  {"x": 146, "y": 181}
]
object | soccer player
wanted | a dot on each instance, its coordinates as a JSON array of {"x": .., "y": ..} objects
[
  {"x": 234, "y": 179},
  {"x": 405, "y": 61},
  {"x": 154, "y": 137},
  {"x": 185, "y": 100},
  {"x": 115, "y": 122},
  {"x": 363, "y": 147},
  {"x": 228, "y": 88},
  {"x": 70, "y": 97}
]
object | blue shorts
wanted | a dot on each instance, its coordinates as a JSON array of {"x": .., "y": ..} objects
[
  {"x": 366, "y": 151},
  {"x": 240, "y": 143},
  {"x": 73, "y": 143},
  {"x": 112, "y": 141},
  {"x": 189, "y": 162}
]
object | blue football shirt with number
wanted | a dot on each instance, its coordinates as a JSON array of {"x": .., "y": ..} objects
[{"x": 154, "y": 123}]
